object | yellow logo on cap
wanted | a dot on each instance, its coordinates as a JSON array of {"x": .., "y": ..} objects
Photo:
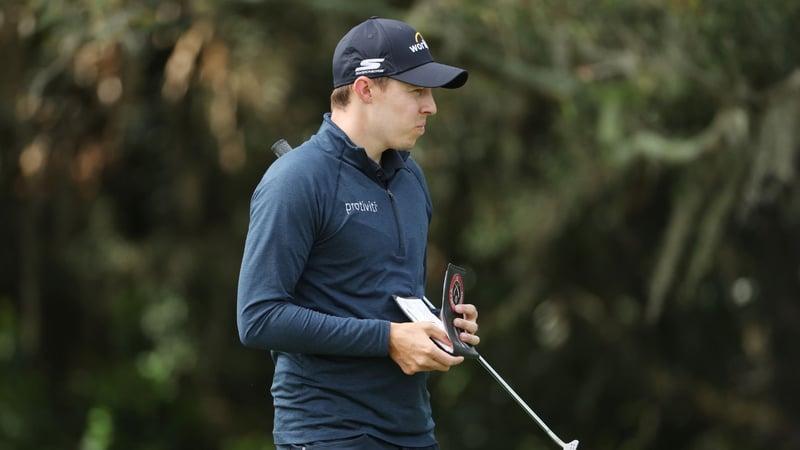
[{"x": 420, "y": 43}]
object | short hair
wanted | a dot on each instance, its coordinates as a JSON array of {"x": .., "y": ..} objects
[{"x": 341, "y": 95}]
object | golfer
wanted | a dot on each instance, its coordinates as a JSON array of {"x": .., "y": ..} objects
[{"x": 337, "y": 227}]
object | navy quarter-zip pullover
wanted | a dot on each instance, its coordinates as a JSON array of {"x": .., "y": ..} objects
[{"x": 332, "y": 237}]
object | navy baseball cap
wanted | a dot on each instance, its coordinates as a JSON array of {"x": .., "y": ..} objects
[{"x": 389, "y": 48}]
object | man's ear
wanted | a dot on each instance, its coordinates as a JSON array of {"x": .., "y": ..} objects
[{"x": 362, "y": 88}]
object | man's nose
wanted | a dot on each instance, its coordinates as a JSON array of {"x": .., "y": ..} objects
[{"x": 428, "y": 103}]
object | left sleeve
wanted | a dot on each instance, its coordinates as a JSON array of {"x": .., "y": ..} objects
[{"x": 284, "y": 216}]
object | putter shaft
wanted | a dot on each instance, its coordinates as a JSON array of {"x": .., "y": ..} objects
[{"x": 571, "y": 446}]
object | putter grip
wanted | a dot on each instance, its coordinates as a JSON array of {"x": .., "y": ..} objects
[
  {"x": 281, "y": 147},
  {"x": 453, "y": 294}
]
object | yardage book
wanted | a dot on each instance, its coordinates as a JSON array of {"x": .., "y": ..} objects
[{"x": 419, "y": 310}]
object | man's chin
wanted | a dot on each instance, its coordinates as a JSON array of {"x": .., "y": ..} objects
[{"x": 405, "y": 146}]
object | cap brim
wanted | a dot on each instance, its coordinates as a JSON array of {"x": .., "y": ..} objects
[{"x": 433, "y": 75}]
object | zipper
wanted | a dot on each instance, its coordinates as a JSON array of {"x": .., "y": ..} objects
[{"x": 400, "y": 245}]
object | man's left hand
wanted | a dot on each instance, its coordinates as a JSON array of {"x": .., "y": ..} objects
[{"x": 469, "y": 323}]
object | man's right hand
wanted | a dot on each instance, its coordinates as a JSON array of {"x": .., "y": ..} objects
[{"x": 411, "y": 347}]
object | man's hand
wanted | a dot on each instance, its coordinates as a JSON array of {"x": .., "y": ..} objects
[
  {"x": 469, "y": 323},
  {"x": 411, "y": 347}
]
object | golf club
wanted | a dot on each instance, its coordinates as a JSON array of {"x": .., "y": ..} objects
[
  {"x": 452, "y": 295},
  {"x": 570, "y": 446},
  {"x": 281, "y": 147}
]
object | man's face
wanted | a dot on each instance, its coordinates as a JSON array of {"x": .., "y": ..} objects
[{"x": 400, "y": 112}]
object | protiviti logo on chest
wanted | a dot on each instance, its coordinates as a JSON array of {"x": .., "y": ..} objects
[
  {"x": 420, "y": 43},
  {"x": 361, "y": 206}
]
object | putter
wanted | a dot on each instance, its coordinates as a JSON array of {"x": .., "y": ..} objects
[
  {"x": 281, "y": 147},
  {"x": 570, "y": 446},
  {"x": 453, "y": 294}
]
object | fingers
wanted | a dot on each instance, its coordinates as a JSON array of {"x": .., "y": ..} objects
[
  {"x": 469, "y": 311},
  {"x": 469, "y": 338},
  {"x": 466, "y": 325},
  {"x": 410, "y": 346},
  {"x": 432, "y": 358},
  {"x": 443, "y": 358},
  {"x": 469, "y": 323}
]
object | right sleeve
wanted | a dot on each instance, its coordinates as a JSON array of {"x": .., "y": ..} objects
[{"x": 284, "y": 217}]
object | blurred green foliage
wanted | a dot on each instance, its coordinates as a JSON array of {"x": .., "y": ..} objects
[{"x": 620, "y": 177}]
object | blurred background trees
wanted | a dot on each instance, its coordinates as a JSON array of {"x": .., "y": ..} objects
[{"x": 620, "y": 177}]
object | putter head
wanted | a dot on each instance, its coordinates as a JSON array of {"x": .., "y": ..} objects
[{"x": 571, "y": 446}]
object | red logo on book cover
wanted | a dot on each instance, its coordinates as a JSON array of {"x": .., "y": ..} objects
[{"x": 456, "y": 291}]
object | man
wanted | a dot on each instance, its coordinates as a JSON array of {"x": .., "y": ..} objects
[{"x": 337, "y": 227}]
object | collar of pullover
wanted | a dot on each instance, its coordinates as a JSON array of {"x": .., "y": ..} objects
[{"x": 391, "y": 160}]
